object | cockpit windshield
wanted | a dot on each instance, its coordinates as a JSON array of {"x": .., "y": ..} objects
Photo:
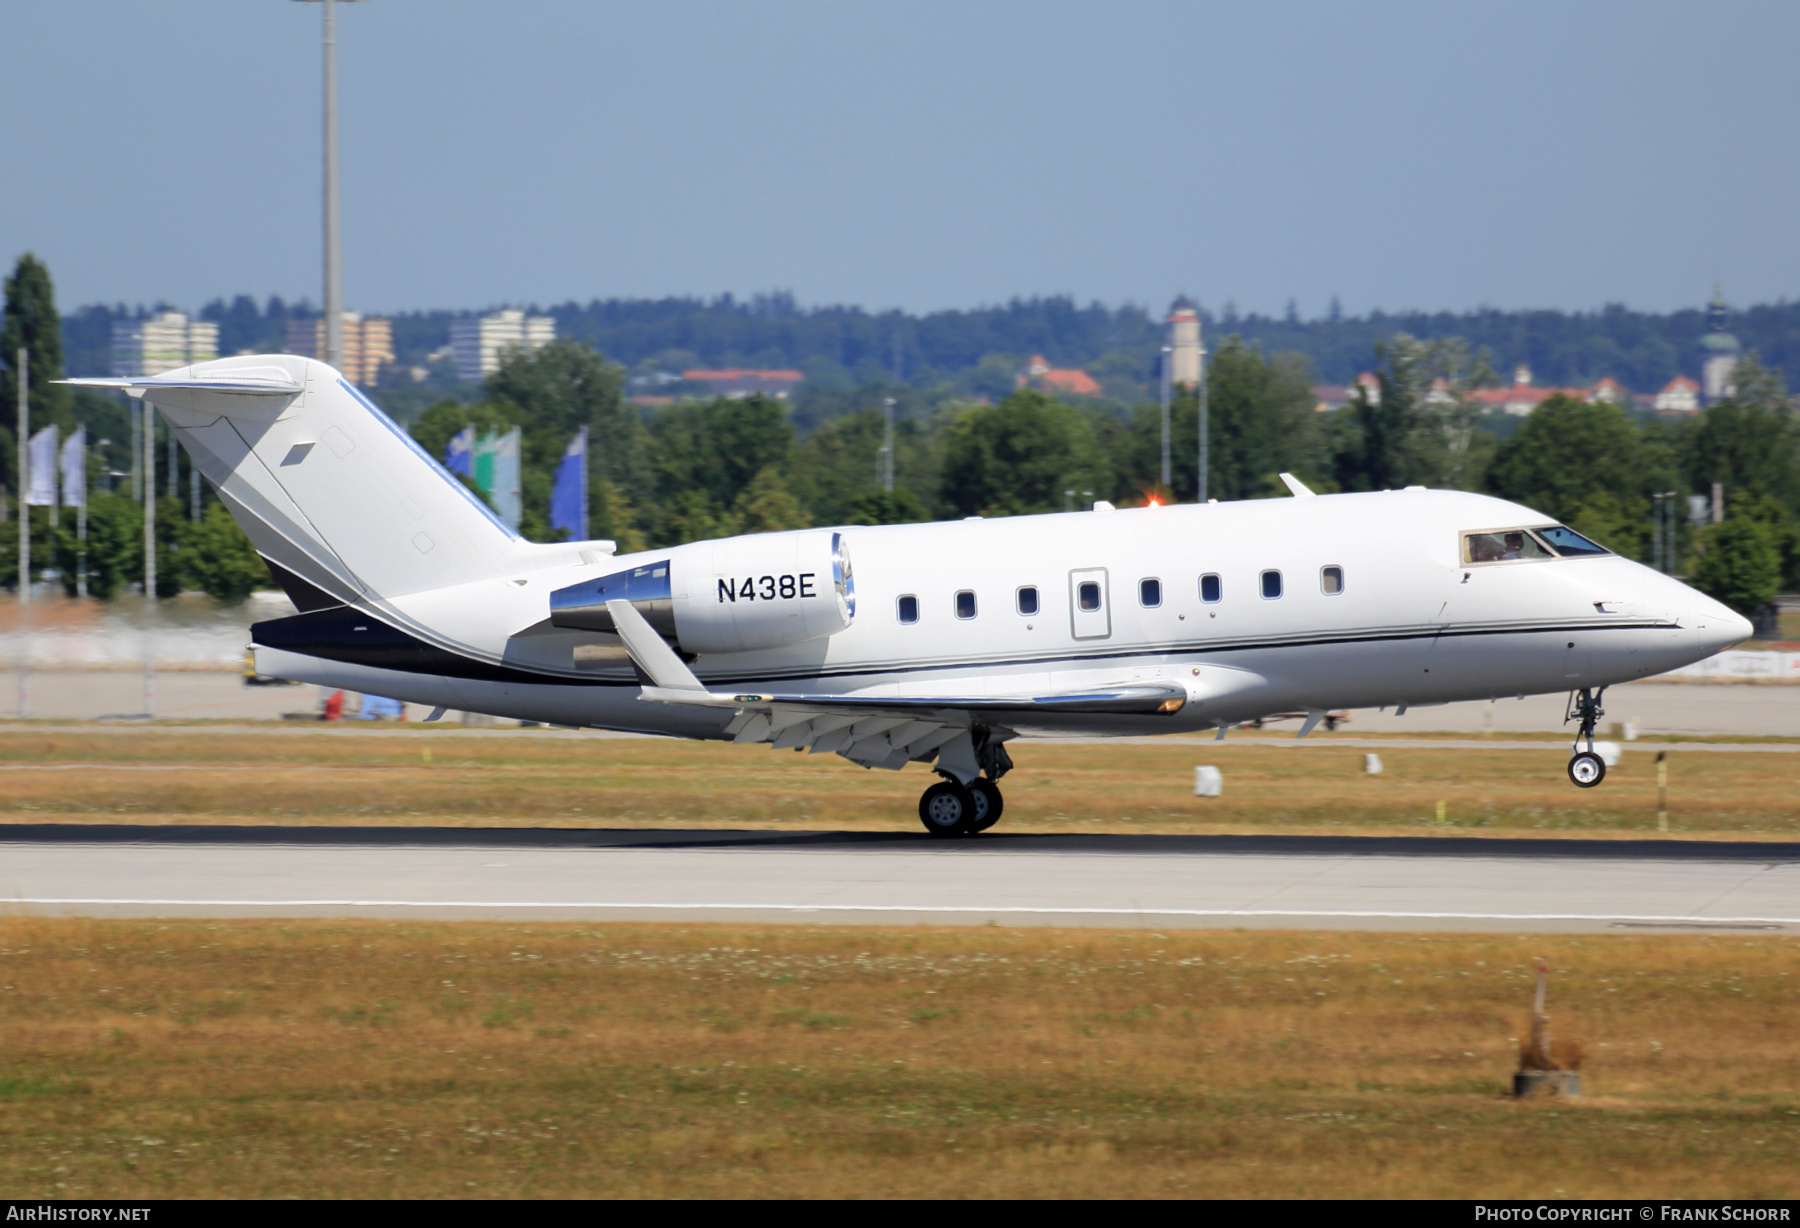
[
  {"x": 1527, "y": 545},
  {"x": 1503, "y": 546},
  {"x": 1568, "y": 543}
]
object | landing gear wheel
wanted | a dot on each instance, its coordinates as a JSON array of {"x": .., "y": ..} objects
[
  {"x": 988, "y": 803},
  {"x": 1587, "y": 769},
  {"x": 947, "y": 809}
]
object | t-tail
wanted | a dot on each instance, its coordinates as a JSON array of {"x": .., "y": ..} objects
[{"x": 343, "y": 504}]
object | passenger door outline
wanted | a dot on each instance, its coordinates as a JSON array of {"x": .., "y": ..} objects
[{"x": 1089, "y": 624}]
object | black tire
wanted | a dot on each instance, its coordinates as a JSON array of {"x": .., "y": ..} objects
[
  {"x": 1587, "y": 769},
  {"x": 988, "y": 803},
  {"x": 947, "y": 810}
]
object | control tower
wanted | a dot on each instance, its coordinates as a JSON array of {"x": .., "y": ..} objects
[
  {"x": 1719, "y": 351},
  {"x": 1184, "y": 343}
]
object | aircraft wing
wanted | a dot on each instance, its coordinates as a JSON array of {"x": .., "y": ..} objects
[
  {"x": 1146, "y": 699},
  {"x": 874, "y": 731}
]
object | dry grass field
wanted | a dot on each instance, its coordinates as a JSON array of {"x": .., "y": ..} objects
[
  {"x": 74, "y": 774},
  {"x": 321, "y": 1059}
]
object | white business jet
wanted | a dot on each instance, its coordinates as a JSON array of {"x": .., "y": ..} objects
[{"x": 947, "y": 641}]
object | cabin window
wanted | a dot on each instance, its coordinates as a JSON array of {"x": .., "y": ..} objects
[
  {"x": 1271, "y": 585},
  {"x": 1087, "y": 596},
  {"x": 1028, "y": 602},
  {"x": 1570, "y": 544},
  {"x": 1331, "y": 580},
  {"x": 965, "y": 604},
  {"x": 1505, "y": 546},
  {"x": 907, "y": 608},
  {"x": 1210, "y": 589},
  {"x": 1150, "y": 593}
]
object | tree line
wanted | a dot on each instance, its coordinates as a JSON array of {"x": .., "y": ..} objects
[{"x": 976, "y": 352}]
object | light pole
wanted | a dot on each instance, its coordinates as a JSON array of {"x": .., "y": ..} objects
[
  {"x": 1200, "y": 396},
  {"x": 1168, "y": 353},
  {"x": 886, "y": 466},
  {"x": 1666, "y": 530},
  {"x": 334, "y": 251},
  {"x": 1656, "y": 524}
]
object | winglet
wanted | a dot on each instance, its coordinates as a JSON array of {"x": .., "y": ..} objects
[
  {"x": 1297, "y": 486},
  {"x": 650, "y": 652}
]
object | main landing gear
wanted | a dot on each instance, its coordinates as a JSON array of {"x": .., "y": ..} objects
[
  {"x": 1586, "y": 769},
  {"x": 950, "y": 808}
]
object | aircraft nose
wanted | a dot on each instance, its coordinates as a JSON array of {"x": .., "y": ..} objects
[{"x": 1720, "y": 626}]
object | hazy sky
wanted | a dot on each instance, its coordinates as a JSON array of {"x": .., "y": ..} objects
[{"x": 917, "y": 155}]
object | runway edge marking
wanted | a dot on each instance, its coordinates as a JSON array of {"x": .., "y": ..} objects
[{"x": 916, "y": 908}]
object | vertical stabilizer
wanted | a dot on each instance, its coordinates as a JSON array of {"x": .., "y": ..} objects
[{"x": 325, "y": 484}]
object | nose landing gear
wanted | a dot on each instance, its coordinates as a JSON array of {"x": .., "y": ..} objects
[{"x": 1586, "y": 769}]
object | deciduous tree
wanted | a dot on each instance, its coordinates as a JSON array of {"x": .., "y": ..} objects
[
  {"x": 1740, "y": 564},
  {"x": 1018, "y": 457}
]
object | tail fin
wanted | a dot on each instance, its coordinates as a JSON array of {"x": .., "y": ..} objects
[{"x": 327, "y": 487}]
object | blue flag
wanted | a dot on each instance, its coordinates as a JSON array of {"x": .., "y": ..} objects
[
  {"x": 568, "y": 498},
  {"x": 461, "y": 452}
]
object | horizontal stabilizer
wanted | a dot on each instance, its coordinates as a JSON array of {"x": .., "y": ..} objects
[{"x": 275, "y": 383}]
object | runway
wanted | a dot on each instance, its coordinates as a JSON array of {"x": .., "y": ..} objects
[{"x": 1397, "y": 883}]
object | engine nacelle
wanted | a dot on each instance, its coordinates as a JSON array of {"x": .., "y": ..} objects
[{"x": 737, "y": 594}]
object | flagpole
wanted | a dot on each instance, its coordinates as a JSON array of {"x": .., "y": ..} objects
[
  {"x": 149, "y": 559},
  {"x": 81, "y": 486},
  {"x": 24, "y": 436},
  {"x": 24, "y": 370},
  {"x": 81, "y": 524}
]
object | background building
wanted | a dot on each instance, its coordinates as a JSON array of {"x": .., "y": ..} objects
[
  {"x": 478, "y": 343},
  {"x": 1184, "y": 343},
  {"x": 1069, "y": 381},
  {"x": 161, "y": 343},
  {"x": 367, "y": 344},
  {"x": 736, "y": 383},
  {"x": 1719, "y": 351},
  {"x": 1680, "y": 395}
]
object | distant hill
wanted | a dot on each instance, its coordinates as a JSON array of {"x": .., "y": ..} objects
[{"x": 848, "y": 346}]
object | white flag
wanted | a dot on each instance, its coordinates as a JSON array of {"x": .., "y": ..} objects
[
  {"x": 74, "y": 469},
  {"x": 40, "y": 455}
]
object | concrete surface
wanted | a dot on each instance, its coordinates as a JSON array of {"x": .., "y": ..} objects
[{"x": 899, "y": 879}]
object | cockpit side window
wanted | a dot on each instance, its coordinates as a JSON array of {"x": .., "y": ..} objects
[
  {"x": 1570, "y": 544},
  {"x": 1503, "y": 546}
]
